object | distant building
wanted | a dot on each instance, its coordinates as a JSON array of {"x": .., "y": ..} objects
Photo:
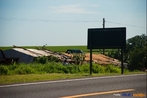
[{"x": 27, "y": 55}]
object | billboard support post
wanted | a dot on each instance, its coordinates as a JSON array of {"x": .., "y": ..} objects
[
  {"x": 122, "y": 65},
  {"x": 90, "y": 60},
  {"x": 103, "y": 27}
]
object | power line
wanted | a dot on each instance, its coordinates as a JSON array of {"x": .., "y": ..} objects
[
  {"x": 124, "y": 24},
  {"x": 47, "y": 20},
  {"x": 43, "y": 20}
]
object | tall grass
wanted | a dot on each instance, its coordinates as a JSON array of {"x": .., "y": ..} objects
[{"x": 53, "y": 67}]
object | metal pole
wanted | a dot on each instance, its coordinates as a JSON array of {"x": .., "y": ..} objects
[
  {"x": 146, "y": 81},
  {"x": 122, "y": 65},
  {"x": 90, "y": 60},
  {"x": 103, "y": 22},
  {"x": 103, "y": 27}
]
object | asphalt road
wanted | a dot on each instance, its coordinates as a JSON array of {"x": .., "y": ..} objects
[{"x": 97, "y": 87}]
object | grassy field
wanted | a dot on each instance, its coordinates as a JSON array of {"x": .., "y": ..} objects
[
  {"x": 53, "y": 48},
  {"x": 60, "y": 48}
]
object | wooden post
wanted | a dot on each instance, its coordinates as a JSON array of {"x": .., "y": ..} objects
[{"x": 103, "y": 27}]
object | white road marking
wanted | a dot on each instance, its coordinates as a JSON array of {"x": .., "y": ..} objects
[{"x": 69, "y": 80}]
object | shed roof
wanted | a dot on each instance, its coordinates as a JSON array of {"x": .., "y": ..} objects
[{"x": 33, "y": 52}]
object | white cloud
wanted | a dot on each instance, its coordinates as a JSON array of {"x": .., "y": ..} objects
[{"x": 76, "y": 8}]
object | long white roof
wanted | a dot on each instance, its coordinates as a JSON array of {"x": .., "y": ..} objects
[{"x": 34, "y": 52}]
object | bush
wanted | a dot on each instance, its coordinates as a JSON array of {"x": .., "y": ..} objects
[
  {"x": 98, "y": 68},
  {"x": 84, "y": 68},
  {"x": 53, "y": 59},
  {"x": 46, "y": 59},
  {"x": 4, "y": 70},
  {"x": 73, "y": 69},
  {"x": 112, "y": 69},
  {"x": 54, "y": 67},
  {"x": 24, "y": 69},
  {"x": 41, "y": 59},
  {"x": 12, "y": 67},
  {"x": 38, "y": 68}
]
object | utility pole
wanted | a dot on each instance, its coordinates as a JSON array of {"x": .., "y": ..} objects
[
  {"x": 103, "y": 22},
  {"x": 103, "y": 27}
]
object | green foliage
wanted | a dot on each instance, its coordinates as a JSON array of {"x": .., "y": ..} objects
[
  {"x": 53, "y": 59},
  {"x": 5, "y": 48},
  {"x": 42, "y": 59},
  {"x": 98, "y": 68},
  {"x": 4, "y": 70},
  {"x": 84, "y": 68},
  {"x": 55, "y": 67},
  {"x": 112, "y": 69},
  {"x": 46, "y": 59},
  {"x": 78, "y": 58},
  {"x": 115, "y": 54},
  {"x": 24, "y": 69},
  {"x": 137, "y": 59},
  {"x": 136, "y": 52}
]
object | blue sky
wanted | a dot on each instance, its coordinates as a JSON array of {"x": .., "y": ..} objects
[{"x": 65, "y": 22}]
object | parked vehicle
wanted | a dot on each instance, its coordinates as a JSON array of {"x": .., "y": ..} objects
[{"x": 74, "y": 51}]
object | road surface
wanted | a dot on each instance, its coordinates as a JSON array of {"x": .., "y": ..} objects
[{"x": 95, "y": 87}]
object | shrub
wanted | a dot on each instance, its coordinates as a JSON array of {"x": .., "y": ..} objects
[
  {"x": 4, "y": 70},
  {"x": 98, "y": 68},
  {"x": 112, "y": 69},
  {"x": 12, "y": 67},
  {"x": 57, "y": 67},
  {"x": 46, "y": 59},
  {"x": 53, "y": 59},
  {"x": 48, "y": 68},
  {"x": 84, "y": 68},
  {"x": 73, "y": 69},
  {"x": 39, "y": 68},
  {"x": 41, "y": 59},
  {"x": 65, "y": 69},
  {"x": 54, "y": 67},
  {"x": 24, "y": 69}
]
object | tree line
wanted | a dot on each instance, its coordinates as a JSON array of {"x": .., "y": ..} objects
[{"x": 135, "y": 53}]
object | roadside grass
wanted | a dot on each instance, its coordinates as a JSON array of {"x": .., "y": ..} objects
[
  {"x": 34, "y": 72},
  {"x": 26, "y": 78},
  {"x": 11, "y": 79}
]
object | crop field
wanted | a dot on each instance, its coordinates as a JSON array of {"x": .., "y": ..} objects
[
  {"x": 59, "y": 48},
  {"x": 53, "y": 48}
]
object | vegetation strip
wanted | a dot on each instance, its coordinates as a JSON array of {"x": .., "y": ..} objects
[{"x": 13, "y": 79}]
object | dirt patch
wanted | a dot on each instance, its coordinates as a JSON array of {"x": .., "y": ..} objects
[{"x": 102, "y": 59}]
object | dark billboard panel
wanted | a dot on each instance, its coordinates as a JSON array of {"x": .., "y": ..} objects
[{"x": 106, "y": 38}]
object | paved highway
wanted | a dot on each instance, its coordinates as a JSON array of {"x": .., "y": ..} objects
[{"x": 96, "y": 87}]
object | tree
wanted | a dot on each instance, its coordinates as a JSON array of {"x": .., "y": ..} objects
[{"x": 136, "y": 52}]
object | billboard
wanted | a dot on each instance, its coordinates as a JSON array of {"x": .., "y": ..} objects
[{"x": 106, "y": 38}]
